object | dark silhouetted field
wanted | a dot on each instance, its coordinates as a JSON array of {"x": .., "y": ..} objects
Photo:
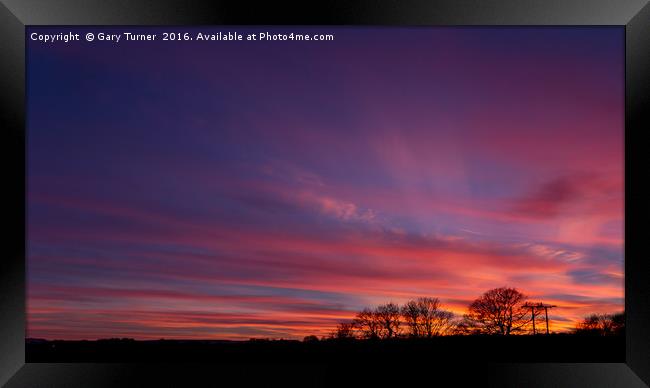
[{"x": 488, "y": 349}]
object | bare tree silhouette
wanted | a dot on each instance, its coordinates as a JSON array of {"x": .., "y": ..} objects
[
  {"x": 310, "y": 338},
  {"x": 367, "y": 323},
  {"x": 388, "y": 317},
  {"x": 498, "y": 311},
  {"x": 602, "y": 324},
  {"x": 344, "y": 331},
  {"x": 435, "y": 321},
  {"x": 425, "y": 318},
  {"x": 465, "y": 326},
  {"x": 618, "y": 323},
  {"x": 411, "y": 314}
]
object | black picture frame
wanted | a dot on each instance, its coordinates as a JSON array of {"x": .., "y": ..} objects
[{"x": 15, "y": 15}]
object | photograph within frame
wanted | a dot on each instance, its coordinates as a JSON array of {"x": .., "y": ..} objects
[
  {"x": 634, "y": 15},
  {"x": 237, "y": 179}
]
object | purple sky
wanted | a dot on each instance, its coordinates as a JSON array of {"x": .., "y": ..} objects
[{"x": 272, "y": 189}]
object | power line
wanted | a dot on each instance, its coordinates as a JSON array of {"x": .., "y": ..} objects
[{"x": 540, "y": 306}]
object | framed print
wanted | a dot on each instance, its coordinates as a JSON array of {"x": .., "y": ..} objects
[{"x": 325, "y": 193}]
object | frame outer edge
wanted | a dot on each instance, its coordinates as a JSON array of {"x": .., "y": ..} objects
[
  {"x": 637, "y": 121},
  {"x": 12, "y": 266},
  {"x": 12, "y": 115},
  {"x": 332, "y": 12}
]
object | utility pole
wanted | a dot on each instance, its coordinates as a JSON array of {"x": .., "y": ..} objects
[
  {"x": 532, "y": 308},
  {"x": 546, "y": 307},
  {"x": 540, "y": 305}
]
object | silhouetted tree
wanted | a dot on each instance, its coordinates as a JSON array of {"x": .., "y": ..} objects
[
  {"x": 388, "y": 317},
  {"x": 465, "y": 326},
  {"x": 344, "y": 331},
  {"x": 435, "y": 321},
  {"x": 443, "y": 323},
  {"x": 310, "y": 338},
  {"x": 499, "y": 311},
  {"x": 367, "y": 323},
  {"x": 424, "y": 317},
  {"x": 618, "y": 323},
  {"x": 411, "y": 314},
  {"x": 589, "y": 325},
  {"x": 602, "y": 324}
]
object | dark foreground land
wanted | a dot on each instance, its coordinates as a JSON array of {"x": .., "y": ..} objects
[{"x": 481, "y": 349}]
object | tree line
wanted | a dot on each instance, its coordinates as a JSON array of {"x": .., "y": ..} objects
[{"x": 499, "y": 311}]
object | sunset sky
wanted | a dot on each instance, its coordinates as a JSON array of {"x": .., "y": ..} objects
[{"x": 231, "y": 190}]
